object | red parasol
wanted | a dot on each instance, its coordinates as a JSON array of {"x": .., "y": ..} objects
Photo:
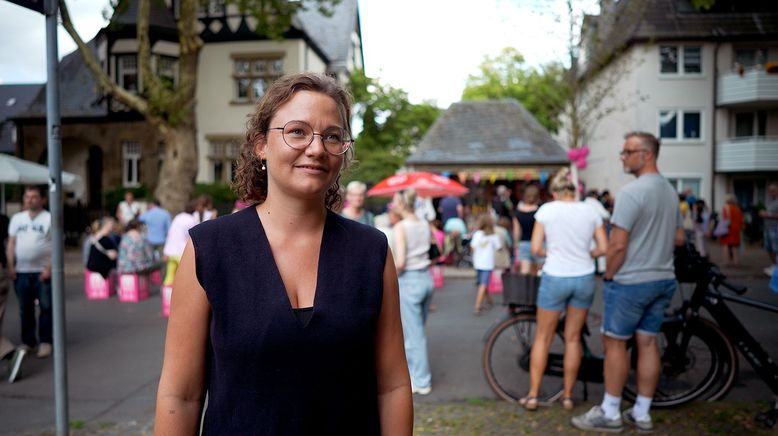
[{"x": 425, "y": 184}]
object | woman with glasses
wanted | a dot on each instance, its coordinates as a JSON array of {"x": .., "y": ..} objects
[{"x": 286, "y": 313}]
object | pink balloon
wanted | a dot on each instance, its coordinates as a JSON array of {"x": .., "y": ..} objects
[
  {"x": 572, "y": 154},
  {"x": 581, "y": 163},
  {"x": 584, "y": 151}
]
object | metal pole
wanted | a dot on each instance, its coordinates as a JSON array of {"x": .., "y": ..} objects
[{"x": 57, "y": 222}]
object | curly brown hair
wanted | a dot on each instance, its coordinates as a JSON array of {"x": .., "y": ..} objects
[{"x": 250, "y": 182}]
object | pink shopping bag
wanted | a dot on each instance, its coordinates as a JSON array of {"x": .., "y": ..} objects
[
  {"x": 495, "y": 282},
  {"x": 437, "y": 276},
  {"x": 96, "y": 287},
  {"x": 167, "y": 293},
  {"x": 133, "y": 287}
]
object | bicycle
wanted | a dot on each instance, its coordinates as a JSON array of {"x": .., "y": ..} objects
[{"x": 699, "y": 355}]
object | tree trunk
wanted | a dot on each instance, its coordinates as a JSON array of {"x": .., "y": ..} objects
[{"x": 179, "y": 167}]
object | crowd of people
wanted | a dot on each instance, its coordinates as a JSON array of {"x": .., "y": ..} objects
[
  {"x": 133, "y": 241},
  {"x": 326, "y": 303}
]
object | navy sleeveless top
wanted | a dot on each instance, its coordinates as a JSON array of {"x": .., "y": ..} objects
[{"x": 269, "y": 373}]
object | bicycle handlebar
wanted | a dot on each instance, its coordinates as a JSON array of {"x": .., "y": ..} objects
[
  {"x": 738, "y": 289},
  {"x": 703, "y": 269}
]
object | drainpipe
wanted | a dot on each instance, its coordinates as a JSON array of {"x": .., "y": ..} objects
[{"x": 713, "y": 128}]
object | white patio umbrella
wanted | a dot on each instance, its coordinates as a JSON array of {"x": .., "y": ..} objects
[{"x": 22, "y": 172}]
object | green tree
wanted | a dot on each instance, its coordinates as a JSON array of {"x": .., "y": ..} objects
[
  {"x": 543, "y": 91},
  {"x": 171, "y": 110},
  {"x": 391, "y": 127}
]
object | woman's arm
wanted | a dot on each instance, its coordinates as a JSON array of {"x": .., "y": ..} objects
[
  {"x": 395, "y": 405},
  {"x": 516, "y": 231},
  {"x": 181, "y": 389},
  {"x": 601, "y": 241},
  {"x": 399, "y": 245},
  {"x": 536, "y": 242}
]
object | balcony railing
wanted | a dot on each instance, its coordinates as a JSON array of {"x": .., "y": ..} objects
[
  {"x": 751, "y": 153},
  {"x": 751, "y": 86}
]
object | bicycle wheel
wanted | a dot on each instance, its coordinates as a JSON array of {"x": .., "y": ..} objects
[
  {"x": 506, "y": 358},
  {"x": 706, "y": 368}
]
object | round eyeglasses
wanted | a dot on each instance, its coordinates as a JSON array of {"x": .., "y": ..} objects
[{"x": 299, "y": 135}]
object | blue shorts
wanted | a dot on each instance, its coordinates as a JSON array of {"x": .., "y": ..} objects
[
  {"x": 771, "y": 240},
  {"x": 635, "y": 308},
  {"x": 556, "y": 293},
  {"x": 482, "y": 276},
  {"x": 525, "y": 253}
]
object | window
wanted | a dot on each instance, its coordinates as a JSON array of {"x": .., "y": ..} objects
[
  {"x": 680, "y": 125},
  {"x": 167, "y": 70},
  {"x": 253, "y": 75},
  {"x": 223, "y": 156},
  {"x": 749, "y": 57},
  {"x": 128, "y": 72},
  {"x": 680, "y": 59},
  {"x": 750, "y": 124},
  {"x": 681, "y": 184},
  {"x": 130, "y": 164}
]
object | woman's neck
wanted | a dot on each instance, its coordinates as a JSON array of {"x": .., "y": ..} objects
[{"x": 293, "y": 216}]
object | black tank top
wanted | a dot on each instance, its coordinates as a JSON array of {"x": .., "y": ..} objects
[
  {"x": 268, "y": 372},
  {"x": 526, "y": 223}
]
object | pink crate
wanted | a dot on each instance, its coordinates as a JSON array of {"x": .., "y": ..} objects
[
  {"x": 437, "y": 276},
  {"x": 133, "y": 287},
  {"x": 167, "y": 293},
  {"x": 97, "y": 287},
  {"x": 156, "y": 277}
]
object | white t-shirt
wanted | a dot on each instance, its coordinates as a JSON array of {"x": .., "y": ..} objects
[
  {"x": 569, "y": 229},
  {"x": 178, "y": 234},
  {"x": 128, "y": 211},
  {"x": 484, "y": 248},
  {"x": 33, "y": 241}
]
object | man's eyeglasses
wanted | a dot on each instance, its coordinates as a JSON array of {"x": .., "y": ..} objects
[
  {"x": 627, "y": 153},
  {"x": 299, "y": 135}
]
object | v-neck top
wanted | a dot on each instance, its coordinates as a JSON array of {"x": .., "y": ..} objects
[{"x": 267, "y": 372}]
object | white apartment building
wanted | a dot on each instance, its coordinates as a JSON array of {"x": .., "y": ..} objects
[{"x": 704, "y": 82}]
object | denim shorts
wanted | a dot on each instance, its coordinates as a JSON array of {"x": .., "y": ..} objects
[
  {"x": 771, "y": 240},
  {"x": 525, "y": 253},
  {"x": 556, "y": 293},
  {"x": 635, "y": 308},
  {"x": 482, "y": 276}
]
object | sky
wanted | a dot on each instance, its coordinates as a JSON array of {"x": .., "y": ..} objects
[{"x": 425, "y": 47}]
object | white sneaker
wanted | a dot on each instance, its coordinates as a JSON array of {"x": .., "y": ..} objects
[
  {"x": 769, "y": 270},
  {"x": 16, "y": 363},
  {"x": 643, "y": 425},
  {"x": 44, "y": 350},
  {"x": 421, "y": 391}
]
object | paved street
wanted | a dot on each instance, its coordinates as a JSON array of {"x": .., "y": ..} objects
[{"x": 115, "y": 353}]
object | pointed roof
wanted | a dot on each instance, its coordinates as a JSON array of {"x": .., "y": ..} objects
[
  {"x": 79, "y": 95},
  {"x": 160, "y": 15},
  {"x": 332, "y": 34},
  {"x": 13, "y": 100},
  {"x": 497, "y": 132},
  {"x": 625, "y": 22}
]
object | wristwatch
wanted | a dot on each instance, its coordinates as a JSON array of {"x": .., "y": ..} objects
[{"x": 605, "y": 279}]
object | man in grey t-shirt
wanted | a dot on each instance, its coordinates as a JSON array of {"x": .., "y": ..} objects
[{"x": 639, "y": 283}]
